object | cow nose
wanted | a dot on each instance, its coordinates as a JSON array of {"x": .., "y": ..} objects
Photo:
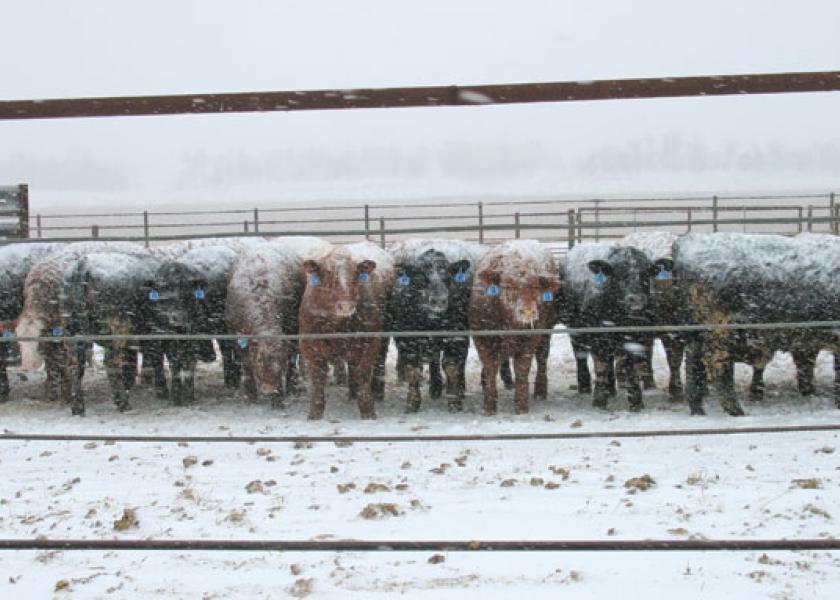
[
  {"x": 635, "y": 302},
  {"x": 345, "y": 308},
  {"x": 438, "y": 303},
  {"x": 526, "y": 313}
]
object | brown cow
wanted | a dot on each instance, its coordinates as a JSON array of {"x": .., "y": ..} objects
[
  {"x": 515, "y": 288},
  {"x": 347, "y": 291}
]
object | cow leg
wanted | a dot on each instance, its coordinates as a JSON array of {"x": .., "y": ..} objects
[
  {"x": 435, "y": 377},
  {"x": 648, "y": 381},
  {"x": 604, "y": 379},
  {"x": 153, "y": 353},
  {"x": 674, "y": 348},
  {"x": 805, "y": 360},
  {"x": 76, "y": 364},
  {"x": 362, "y": 375},
  {"x": 317, "y": 369},
  {"x": 114, "y": 359},
  {"x": 53, "y": 371},
  {"x": 377, "y": 383},
  {"x": 400, "y": 367},
  {"x": 725, "y": 386},
  {"x": 695, "y": 375},
  {"x": 292, "y": 375},
  {"x": 231, "y": 364},
  {"x": 757, "y": 382},
  {"x": 584, "y": 379},
  {"x": 633, "y": 369},
  {"x": 541, "y": 380},
  {"x": 507, "y": 376},
  {"x": 521, "y": 369},
  {"x": 182, "y": 364},
  {"x": 412, "y": 371},
  {"x": 130, "y": 369},
  {"x": 4, "y": 376},
  {"x": 489, "y": 351},
  {"x": 454, "y": 363}
]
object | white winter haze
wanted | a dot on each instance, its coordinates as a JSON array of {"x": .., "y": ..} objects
[{"x": 107, "y": 48}]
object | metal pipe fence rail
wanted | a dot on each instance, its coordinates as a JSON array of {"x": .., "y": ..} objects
[
  {"x": 342, "y": 440},
  {"x": 432, "y": 334},
  {"x": 477, "y": 545},
  {"x": 372, "y": 218}
]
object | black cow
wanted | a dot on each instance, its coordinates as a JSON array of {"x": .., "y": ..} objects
[
  {"x": 740, "y": 278},
  {"x": 609, "y": 286},
  {"x": 187, "y": 296},
  {"x": 432, "y": 293},
  {"x": 15, "y": 262},
  {"x": 105, "y": 294}
]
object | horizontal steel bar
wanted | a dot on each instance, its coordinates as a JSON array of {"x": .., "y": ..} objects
[
  {"x": 431, "y": 334},
  {"x": 342, "y": 439},
  {"x": 451, "y": 95},
  {"x": 742, "y": 545}
]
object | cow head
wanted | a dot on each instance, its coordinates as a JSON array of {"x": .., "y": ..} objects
[
  {"x": 427, "y": 284},
  {"x": 524, "y": 294},
  {"x": 335, "y": 283},
  {"x": 30, "y": 326},
  {"x": 267, "y": 361},
  {"x": 624, "y": 279},
  {"x": 175, "y": 299}
]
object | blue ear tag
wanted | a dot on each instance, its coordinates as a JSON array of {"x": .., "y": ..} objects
[
  {"x": 663, "y": 274},
  {"x": 547, "y": 296},
  {"x": 460, "y": 277},
  {"x": 154, "y": 295},
  {"x": 492, "y": 290},
  {"x": 599, "y": 277},
  {"x": 8, "y": 333},
  {"x": 404, "y": 280},
  {"x": 199, "y": 294},
  {"x": 57, "y": 331},
  {"x": 363, "y": 277},
  {"x": 314, "y": 279},
  {"x": 243, "y": 343}
]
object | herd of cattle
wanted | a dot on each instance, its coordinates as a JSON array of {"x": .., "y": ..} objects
[{"x": 247, "y": 287}]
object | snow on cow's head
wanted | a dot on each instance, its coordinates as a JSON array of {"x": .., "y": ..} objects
[{"x": 334, "y": 284}]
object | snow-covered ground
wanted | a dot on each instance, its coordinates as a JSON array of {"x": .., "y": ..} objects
[{"x": 733, "y": 487}]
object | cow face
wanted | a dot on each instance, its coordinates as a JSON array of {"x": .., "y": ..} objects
[
  {"x": 623, "y": 279},
  {"x": 524, "y": 295},
  {"x": 266, "y": 359},
  {"x": 335, "y": 284},
  {"x": 175, "y": 299},
  {"x": 427, "y": 284},
  {"x": 30, "y": 356}
]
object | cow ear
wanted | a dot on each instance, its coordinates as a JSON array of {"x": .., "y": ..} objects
[
  {"x": 402, "y": 269},
  {"x": 366, "y": 266},
  {"x": 600, "y": 267},
  {"x": 662, "y": 268},
  {"x": 549, "y": 283},
  {"x": 311, "y": 266},
  {"x": 459, "y": 266}
]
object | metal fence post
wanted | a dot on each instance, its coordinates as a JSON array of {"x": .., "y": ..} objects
[
  {"x": 688, "y": 219},
  {"x": 41, "y": 231},
  {"x": 580, "y": 225},
  {"x": 570, "y": 233},
  {"x": 256, "y": 220},
  {"x": 480, "y": 223},
  {"x": 146, "y": 228},
  {"x": 382, "y": 232},
  {"x": 23, "y": 220},
  {"x": 245, "y": 225},
  {"x": 597, "y": 221},
  {"x": 94, "y": 231},
  {"x": 810, "y": 218},
  {"x": 799, "y": 220},
  {"x": 367, "y": 221},
  {"x": 714, "y": 213},
  {"x": 516, "y": 225},
  {"x": 832, "y": 224}
]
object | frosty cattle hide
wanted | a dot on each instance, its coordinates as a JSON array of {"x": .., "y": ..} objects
[
  {"x": 16, "y": 260},
  {"x": 263, "y": 297},
  {"x": 41, "y": 315},
  {"x": 607, "y": 286},
  {"x": 346, "y": 292},
  {"x": 740, "y": 278},
  {"x": 104, "y": 294},
  {"x": 187, "y": 296},
  {"x": 516, "y": 284},
  {"x": 431, "y": 292},
  {"x": 666, "y": 304}
]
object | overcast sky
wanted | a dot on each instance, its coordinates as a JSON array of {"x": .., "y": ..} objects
[{"x": 106, "y": 48}]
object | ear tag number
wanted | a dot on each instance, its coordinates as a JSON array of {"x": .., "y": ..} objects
[
  {"x": 663, "y": 274},
  {"x": 243, "y": 343},
  {"x": 314, "y": 279},
  {"x": 57, "y": 332},
  {"x": 404, "y": 280},
  {"x": 364, "y": 277},
  {"x": 460, "y": 277},
  {"x": 599, "y": 277},
  {"x": 199, "y": 294},
  {"x": 547, "y": 296},
  {"x": 492, "y": 290},
  {"x": 154, "y": 295}
]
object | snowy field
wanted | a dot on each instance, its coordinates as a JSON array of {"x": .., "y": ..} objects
[{"x": 756, "y": 486}]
